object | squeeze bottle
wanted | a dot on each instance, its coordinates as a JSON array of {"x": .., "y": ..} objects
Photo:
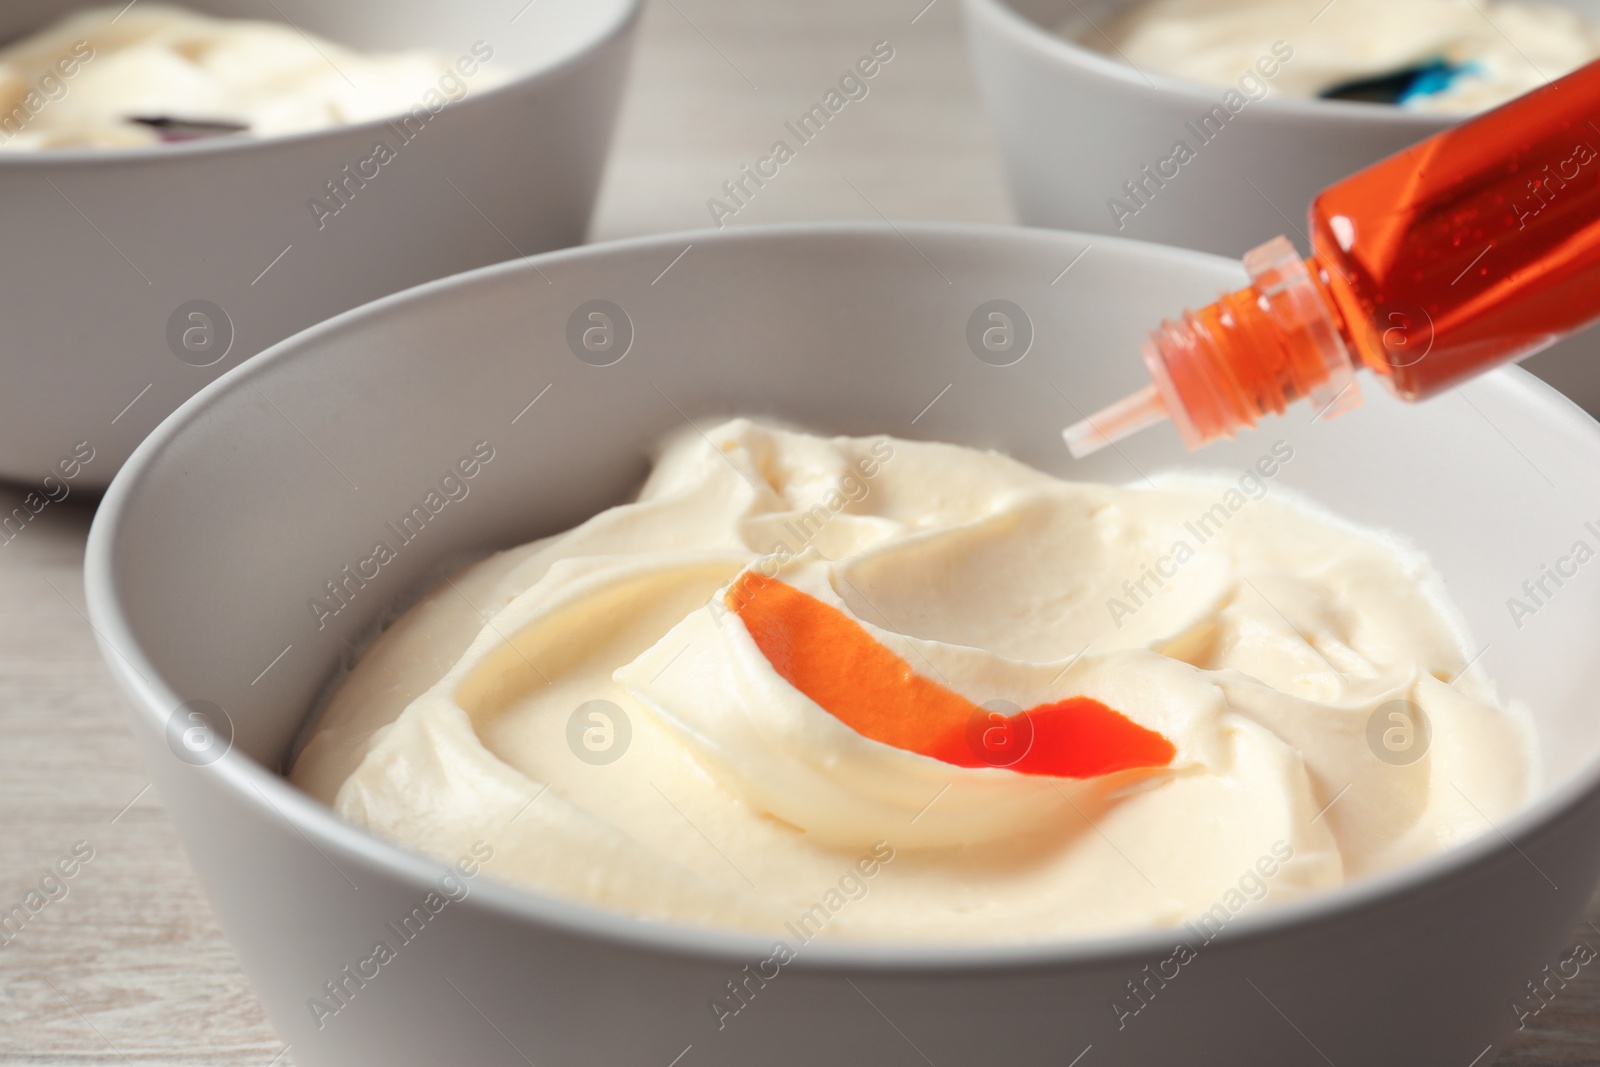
[{"x": 1473, "y": 248}]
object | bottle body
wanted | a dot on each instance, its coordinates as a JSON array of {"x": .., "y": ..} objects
[{"x": 1478, "y": 246}]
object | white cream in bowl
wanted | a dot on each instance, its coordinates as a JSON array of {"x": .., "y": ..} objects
[
  {"x": 604, "y": 709},
  {"x": 137, "y": 75},
  {"x": 1483, "y": 53}
]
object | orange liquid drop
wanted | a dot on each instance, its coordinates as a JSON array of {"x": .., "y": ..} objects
[{"x": 832, "y": 659}]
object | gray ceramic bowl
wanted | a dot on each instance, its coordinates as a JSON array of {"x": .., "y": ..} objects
[
  {"x": 1074, "y": 125},
  {"x": 234, "y": 513},
  {"x": 113, "y": 252}
]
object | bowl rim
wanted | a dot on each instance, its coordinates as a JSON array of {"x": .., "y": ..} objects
[
  {"x": 1029, "y": 34},
  {"x": 269, "y": 793},
  {"x": 619, "y": 25}
]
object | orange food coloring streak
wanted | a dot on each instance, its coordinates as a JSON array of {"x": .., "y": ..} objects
[{"x": 832, "y": 659}]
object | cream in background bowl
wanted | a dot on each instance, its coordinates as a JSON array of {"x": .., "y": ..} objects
[
  {"x": 141, "y": 274},
  {"x": 138, "y": 76},
  {"x": 210, "y": 550},
  {"x": 1476, "y": 55}
]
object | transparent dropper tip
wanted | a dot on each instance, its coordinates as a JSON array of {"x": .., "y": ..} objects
[{"x": 1112, "y": 423}]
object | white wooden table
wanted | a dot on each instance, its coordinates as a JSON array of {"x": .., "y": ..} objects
[{"x": 129, "y": 967}]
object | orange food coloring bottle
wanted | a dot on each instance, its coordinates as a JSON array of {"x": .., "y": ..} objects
[{"x": 1473, "y": 248}]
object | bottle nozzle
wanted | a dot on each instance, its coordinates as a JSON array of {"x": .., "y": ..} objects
[
  {"x": 1251, "y": 353},
  {"x": 1112, "y": 423}
]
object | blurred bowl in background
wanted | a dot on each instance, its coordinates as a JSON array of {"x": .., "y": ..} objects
[{"x": 136, "y": 276}]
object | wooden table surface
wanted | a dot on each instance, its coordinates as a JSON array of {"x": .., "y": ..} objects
[{"x": 129, "y": 967}]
